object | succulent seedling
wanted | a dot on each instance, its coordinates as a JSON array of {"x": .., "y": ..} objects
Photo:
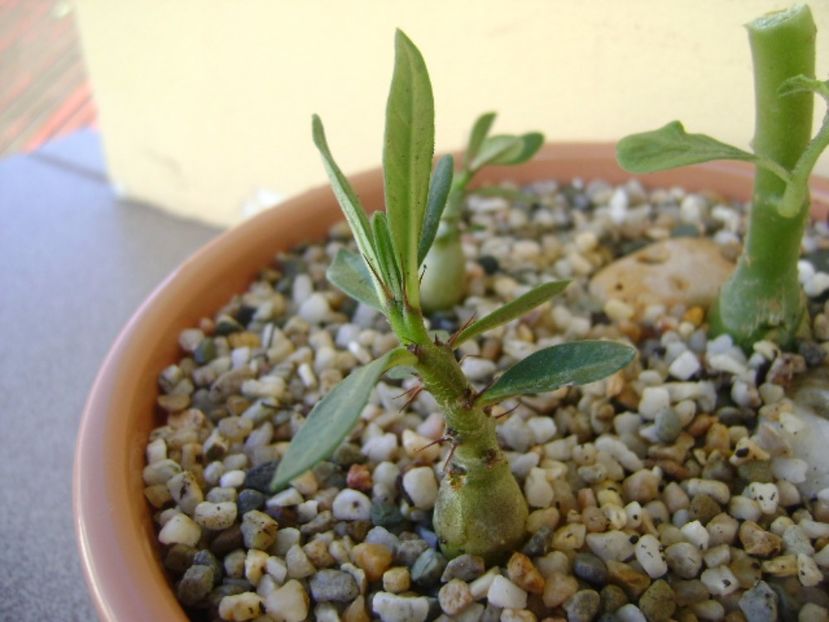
[
  {"x": 444, "y": 267},
  {"x": 762, "y": 299},
  {"x": 480, "y": 508}
]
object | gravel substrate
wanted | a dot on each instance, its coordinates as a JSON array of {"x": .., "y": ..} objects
[{"x": 666, "y": 492}]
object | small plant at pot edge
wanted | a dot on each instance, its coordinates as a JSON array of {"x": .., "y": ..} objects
[
  {"x": 763, "y": 298},
  {"x": 443, "y": 282},
  {"x": 480, "y": 508}
]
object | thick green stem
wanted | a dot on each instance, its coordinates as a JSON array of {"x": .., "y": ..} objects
[
  {"x": 480, "y": 508},
  {"x": 763, "y": 299}
]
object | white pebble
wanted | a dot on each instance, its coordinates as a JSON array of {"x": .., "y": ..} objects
[
  {"x": 422, "y": 487},
  {"x": 725, "y": 363},
  {"x": 719, "y": 555},
  {"x": 611, "y": 545},
  {"x": 180, "y": 529},
  {"x": 480, "y": 586},
  {"x": 256, "y": 562},
  {"x": 299, "y": 566},
  {"x": 684, "y": 366},
  {"x": 276, "y": 568},
  {"x": 537, "y": 489},
  {"x": 743, "y": 508},
  {"x": 620, "y": 452},
  {"x": 696, "y": 534},
  {"x": 314, "y": 309},
  {"x": 380, "y": 448},
  {"x": 504, "y": 593},
  {"x": 818, "y": 284},
  {"x": 720, "y": 581},
  {"x": 232, "y": 479},
  {"x": 393, "y": 608},
  {"x": 351, "y": 505},
  {"x": 629, "y": 613},
  {"x": 215, "y": 516},
  {"x": 543, "y": 428},
  {"x": 822, "y": 557},
  {"x": 618, "y": 310},
  {"x": 289, "y": 497},
  {"x": 766, "y": 496},
  {"x": 289, "y": 603},
  {"x": 790, "y": 469},
  {"x": 238, "y": 607},
  {"x": 650, "y": 557},
  {"x": 653, "y": 401},
  {"x": 715, "y": 489}
]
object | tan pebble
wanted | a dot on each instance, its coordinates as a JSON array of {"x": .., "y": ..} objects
[
  {"x": 642, "y": 486},
  {"x": 594, "y": 519},
  {"x": 747, "y": 450},
  {"x": 695, "y": 315},
  {"x": 782, "y": 566},
  {"x": 633, "y": 582},
  {"x": 173, "y": 403},
  {"x": 518, "y": 615},
  {"x": 318, "y": 554},
  {"x": 524, "y": 574},
  {"x": 687, "y": 271},
  {"x": 359, "y": 477},
  {"x": 757, "y": 541},
  {"x": 748, "y": 570},
  {"x": 374, "y": 559},
  {"x": 700, "y": 425},
  {"x": 244, "y": 339},
  {"x": 558, "y": 588},
  {"x": 454, "y": 596},
  {"x": 356, "y": 611},
  {"x": 545, "y": 517},
  {"x": 570, "y": 537},
  {"x": 718, "y": 439},
  {"x": 396, "y": 580}
]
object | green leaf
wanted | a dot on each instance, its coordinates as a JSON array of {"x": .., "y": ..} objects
[
  {"x": 438, "y": 193},
  {"x": 385, "y": 253},
  {"x": 407, "y": 154},
  {"x": 671, "y": 146},
  {"x": 495, "y": 147},
  {"x": 574, "y": 363},
  {"x": 350, "y": 273},
  {"x": 513, "y": 309},
  {"x": 530, "y": 144},
  {"x": 350, "y": 204},
  {"x": 333, "y": 418},
  {"x": 477, "y": 136},
  {"x": 802, "y": 84}
]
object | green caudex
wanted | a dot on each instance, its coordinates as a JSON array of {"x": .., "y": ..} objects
[
  {"x": 763, "y": 298},
  {"x": 480, "y": 508},
  {"x": 443, "y": 288}
]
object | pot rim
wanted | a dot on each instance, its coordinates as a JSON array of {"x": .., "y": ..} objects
[{"x": 112, "y": 530}]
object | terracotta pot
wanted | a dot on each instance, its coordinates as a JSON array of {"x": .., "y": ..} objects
[{"x": 113, "y": 522}]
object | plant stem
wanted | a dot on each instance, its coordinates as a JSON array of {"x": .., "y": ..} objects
[
  {"x": 480, "y": 508},
  {"x": 763, "y": 299}
]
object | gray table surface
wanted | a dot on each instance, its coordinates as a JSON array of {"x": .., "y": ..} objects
[{"x": 75, "y": 262}]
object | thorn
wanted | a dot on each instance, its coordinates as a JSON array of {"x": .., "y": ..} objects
[
  {"x": 412, "y": 397},
  {"x": 386, "y": 289},
  {"x": 440, "y": 441},
  {"x": 507, "y": 412},
  {"x": 451, "y": 454},
  {"x": 422, "y": 274},
  {"x": 457, "y": 333},
  {"x": 437, "y": 341}
]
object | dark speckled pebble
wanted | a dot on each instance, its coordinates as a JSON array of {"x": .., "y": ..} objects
[
  {"x": 612, "y": 597},
  {"x": 195, "y": 585},
  {"x": 590, "y": 568},
  {"x": 489, "y": 264},
  {"x": 658, "y": 603},
  {"x": 259, "y": 477},
  {"x": 227, "y": 540},
  {"x": 759, "y": 604},
  {"x": 385, "y": 514},
  {"x": 582, "y": 606},
  {"x": 333, "y": 585},
  {"x": 811, "y": 352},
  {"x": 465, "y": 567},
  {"x": 348, "y": 454},
  {"x": 539, "y": 543},
  {"x": 408, "y": 551},
  {"x": 703, "y": 508},
  {"x": 206, "y": 558},
  {"x": 179, "y": 558}
]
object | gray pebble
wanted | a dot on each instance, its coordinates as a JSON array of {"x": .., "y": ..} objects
[
  {"x": 668, "y": 425},
  {"x": 684, "y": 559},
  {"x": 386, "y": 514},
  {"x": 491, "y": 614},
  {"x": 381, "y": 535},
  {"x": 759, "y": 604},
  {"x": 333, "y": 585},
  {"x": 466, "y": 567},
  {"x": 409, "y": 550},
  {"x": 179, "y": 558},
  {"x": 195, "y": 585},
  {"x": 590, "y": 568},
  {"x": 249, "y": 499},
  {"x": 428, "y": 568},
  {"x": 206, "y": 558},
  {"x": 582, "y": 606}
]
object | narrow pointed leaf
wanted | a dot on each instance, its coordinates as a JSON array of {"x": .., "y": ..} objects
[
  {"x": 671, "y": 146},
  {"x": 512, "y": 310},
  {"x": 407, "y": 154},
  {"x": 530, "y": 144},
  {"x": 349, "y": 272},
  {"x": 477, "y": 136},
  {"x": 574, "y": 363},
  {"x": 333, "y": 418},
  {"x": 802, "y": 84},
  {"x": 495, "y": 147},
  {"x": 350, "y": 204},
  {"x": 385, "y": 253},
  {"x": 438, "y": 193}
]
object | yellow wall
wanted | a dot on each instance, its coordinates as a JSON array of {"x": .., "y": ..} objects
[{"x": 204, "y": 104}]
